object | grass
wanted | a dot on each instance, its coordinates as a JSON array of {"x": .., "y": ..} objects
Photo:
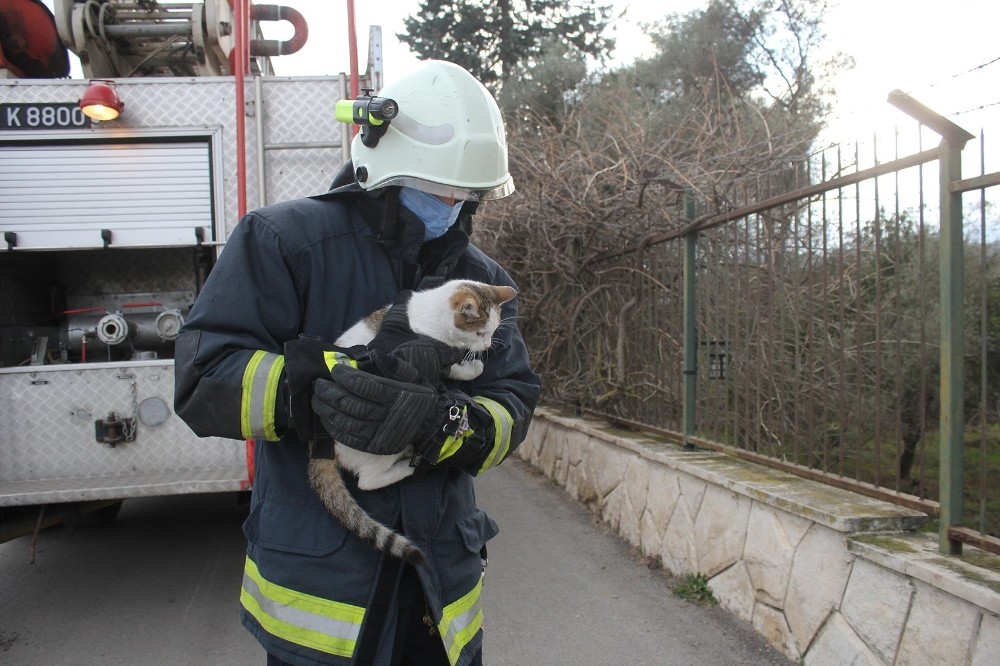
[{"x": 694, "y": 588}]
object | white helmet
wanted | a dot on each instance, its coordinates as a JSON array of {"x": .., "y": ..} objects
[{"x": 447, "y": 138}]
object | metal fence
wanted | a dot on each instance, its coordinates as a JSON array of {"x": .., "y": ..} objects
[{"x": 840, "y": 319}]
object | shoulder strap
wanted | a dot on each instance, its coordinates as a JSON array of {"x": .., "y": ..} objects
[{"x": 386, "y": 582}]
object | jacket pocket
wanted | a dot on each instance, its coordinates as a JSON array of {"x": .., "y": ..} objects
[
  {"x": 476, "y": 530},
  {"x": 294, "y": 529}
]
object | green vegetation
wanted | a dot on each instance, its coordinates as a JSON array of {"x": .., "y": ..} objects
[
  {"x": 499, "y": 40},
  {"x": 694, "y": 588}
]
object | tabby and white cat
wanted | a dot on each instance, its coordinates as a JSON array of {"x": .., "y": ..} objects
[{"x": 460, "y": 313}]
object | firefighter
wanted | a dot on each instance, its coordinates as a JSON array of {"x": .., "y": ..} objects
[{"x": 395, "y": 218}]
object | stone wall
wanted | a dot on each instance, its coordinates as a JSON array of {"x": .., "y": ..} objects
[{"x": 826, "y": 575}]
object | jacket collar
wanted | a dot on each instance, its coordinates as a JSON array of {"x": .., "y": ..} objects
[
  {"x": 439, "y": 257},
  {"x": 401, "y": 233}
]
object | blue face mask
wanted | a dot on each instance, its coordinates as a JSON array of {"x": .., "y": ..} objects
[{"x": 436, "y": 215}]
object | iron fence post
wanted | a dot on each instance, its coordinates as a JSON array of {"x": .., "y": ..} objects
[
  {"x": 952, "y": 434},
  {"x": 690, "y": 328},
  {"x": 952, "y": 349}
]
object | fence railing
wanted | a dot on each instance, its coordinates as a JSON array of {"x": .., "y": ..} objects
[{"x": 838, "y": 321}]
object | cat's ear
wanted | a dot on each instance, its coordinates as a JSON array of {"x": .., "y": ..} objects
[
  {"x": 469, "y": 308},
  {"x": 504, "y": 294}
]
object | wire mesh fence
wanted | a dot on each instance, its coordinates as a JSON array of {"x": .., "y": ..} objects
[{"x": 818, "y": 326}]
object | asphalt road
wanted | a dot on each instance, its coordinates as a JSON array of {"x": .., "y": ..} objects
[
  {"x": 561, "y": 590},
  {"x": 161, "y": 586}
]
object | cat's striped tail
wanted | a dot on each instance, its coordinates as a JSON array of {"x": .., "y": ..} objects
[{"x": 324, "y": 476}]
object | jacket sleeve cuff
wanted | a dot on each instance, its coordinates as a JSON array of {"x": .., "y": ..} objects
[{"x": 478, "y": 439}]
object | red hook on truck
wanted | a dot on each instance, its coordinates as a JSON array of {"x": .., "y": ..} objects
[{"x": 274, "y": 47}]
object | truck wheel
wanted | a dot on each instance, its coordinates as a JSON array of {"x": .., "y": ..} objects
[{"x": 90, "y": 514}]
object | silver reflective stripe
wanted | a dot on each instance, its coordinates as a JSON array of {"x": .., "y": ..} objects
[
  {"x": 260, "y": 391},
  {"x": 301, "y": 618},
  {"x": 457, "y": 630},
  {"x": 319, "y": 624},
  {"x": 436, "y": 135},
  {"x": 503, "y": 425}
]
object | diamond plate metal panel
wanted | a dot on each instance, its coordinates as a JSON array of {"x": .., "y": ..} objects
[
  {"x": 301, "y": 112},
  {"x": 47, "y": 417},
  {"x": 291, "y": 175}
]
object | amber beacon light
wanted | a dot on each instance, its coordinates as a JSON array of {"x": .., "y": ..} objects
[{"x": 101, "y": 101}]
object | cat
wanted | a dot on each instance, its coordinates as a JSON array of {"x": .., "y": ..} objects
[{"x": 460, "y": 313}]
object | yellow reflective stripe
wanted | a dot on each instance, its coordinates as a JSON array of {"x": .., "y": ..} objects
[
  {"x": 319, "y": 624},
  {"x": 503, "y": 425},
  {"x": 461, "y": 621},
  {"x": 332, "y": 358},
  {"x": 260, "y": 393},
  {"x": 452, "y": 445}
]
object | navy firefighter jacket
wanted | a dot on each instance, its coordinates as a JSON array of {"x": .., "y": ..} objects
[{"x": 313, "y": 267}]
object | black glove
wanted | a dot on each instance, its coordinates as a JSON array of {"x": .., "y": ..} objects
[
  {"x": 305, "y": 363},
  {"x": 431, "y": 358},
  {"x": 376, "y": 414}
]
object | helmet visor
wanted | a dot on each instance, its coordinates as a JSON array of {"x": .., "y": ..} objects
[{"x": 502, "y": 190}]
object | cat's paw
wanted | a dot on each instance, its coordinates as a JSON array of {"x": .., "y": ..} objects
[{"x": 466, "y": 370}]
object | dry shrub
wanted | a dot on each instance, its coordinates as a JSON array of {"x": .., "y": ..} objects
[{"x": 613, "y": 172}]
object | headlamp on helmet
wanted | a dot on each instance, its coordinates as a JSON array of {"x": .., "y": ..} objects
[{"x": 371, "y": 113}]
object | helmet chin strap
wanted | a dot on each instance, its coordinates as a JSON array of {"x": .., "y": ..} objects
[
  {"x": 465, "y": 217},
  {"x": 389, "y": 228}
]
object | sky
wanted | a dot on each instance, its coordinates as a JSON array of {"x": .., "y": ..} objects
[
  {"x": 928, "y": 48},
  {"x": 944, "y": 53}
]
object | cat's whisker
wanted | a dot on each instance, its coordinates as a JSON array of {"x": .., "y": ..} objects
[{"x": 499, "y": 328}]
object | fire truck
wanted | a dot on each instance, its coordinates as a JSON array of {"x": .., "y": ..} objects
[{"x": 109, "y": 228}]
